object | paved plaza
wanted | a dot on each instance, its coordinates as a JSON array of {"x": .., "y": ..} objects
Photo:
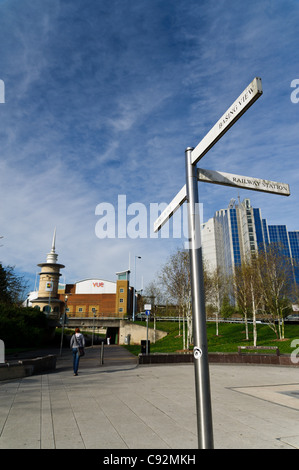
[{"x": 120, "y": 405}]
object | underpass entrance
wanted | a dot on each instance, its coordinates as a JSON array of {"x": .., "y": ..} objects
[{"x": 112, "y": 332}]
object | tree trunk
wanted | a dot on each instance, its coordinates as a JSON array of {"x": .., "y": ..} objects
[
  {"x": 253, "y": 318},
  {"x": 246, "y": 325},
  {"x": 184, "y": 338}
]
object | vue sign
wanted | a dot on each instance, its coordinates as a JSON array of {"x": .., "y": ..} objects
[{"x": 98, "y": 284}]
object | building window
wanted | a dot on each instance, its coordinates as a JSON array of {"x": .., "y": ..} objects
[
  {"x": 121, "y": 301},
  {"x": 122, "y": 276},
  {"x": 80, "y": 309},
  {"x": 120, "y": 310},
  {"x": 121, "y": 290}
]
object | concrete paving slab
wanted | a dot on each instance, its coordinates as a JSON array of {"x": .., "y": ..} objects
[{"x": 120, "y": 405}]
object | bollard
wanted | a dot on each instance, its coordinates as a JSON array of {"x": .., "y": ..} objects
[
  {"x": 2, "y": 352},
  {"x": 102, "y": 354}
]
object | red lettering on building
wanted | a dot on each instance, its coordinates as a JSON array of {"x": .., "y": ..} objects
[{"x": 98, "y": 284}]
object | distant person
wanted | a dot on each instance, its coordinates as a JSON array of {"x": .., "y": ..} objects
[{"x": 77, "y": 345}]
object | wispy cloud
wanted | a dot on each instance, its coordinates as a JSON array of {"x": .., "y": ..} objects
[{"x": 102, "y": 98}]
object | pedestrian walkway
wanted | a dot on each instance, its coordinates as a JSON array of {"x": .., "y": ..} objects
[{"x": 120, "y": 405}]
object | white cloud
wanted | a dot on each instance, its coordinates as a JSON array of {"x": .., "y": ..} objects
[{"x": 101, "y": 103}]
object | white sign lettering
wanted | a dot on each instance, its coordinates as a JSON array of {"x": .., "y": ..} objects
[
  {"x": 245, "y": 182},
  {"x": 177, "y": 201},
  {"x": 237, "y": 109}
]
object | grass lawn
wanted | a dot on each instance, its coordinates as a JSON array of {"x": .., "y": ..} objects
[{"x": 231, "y": 335}]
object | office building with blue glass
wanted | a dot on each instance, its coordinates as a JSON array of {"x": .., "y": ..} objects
[{"x": 238, "y": 231}]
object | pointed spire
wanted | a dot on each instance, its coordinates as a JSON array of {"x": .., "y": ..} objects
[
  {"x": 52, "y": 256},
  {"x": 53, "y": 241}
]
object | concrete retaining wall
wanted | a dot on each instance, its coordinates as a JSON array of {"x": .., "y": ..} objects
[
  {"x": 27, "y": 367},
  {"x": 220, "y": 358},
  {"x": 138, "y": 333}
]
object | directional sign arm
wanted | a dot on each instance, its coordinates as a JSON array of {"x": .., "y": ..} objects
[
  {"x": 245, "y": 182},
  {"x": 237, "y": 109},
  {"x": 177, "y": 201}
]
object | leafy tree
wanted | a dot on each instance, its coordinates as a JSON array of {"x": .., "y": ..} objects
[
  {"x": 12, "y": 286},
  {"x": 19, "y": 326},
  {"x": 22, "y": 327},
  {"x": 227, "y": 309},
  {"x": 4, "y": 288}
]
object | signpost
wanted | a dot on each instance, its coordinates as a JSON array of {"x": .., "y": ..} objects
[
  {"x": 236, "y": 110},
  {"x": 189, "y": 193},
  {"x": 244, "y": 182},
  {"x": 229, "y": 118},
  {"x": 148, "y": 308},
  {"x": 177, "y": 201}
]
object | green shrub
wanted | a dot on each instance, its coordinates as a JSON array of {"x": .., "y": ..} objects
[{"x": 22, "y": 327}]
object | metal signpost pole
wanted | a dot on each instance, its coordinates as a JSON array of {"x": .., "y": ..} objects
[
  {"x": 146, "y": 349},
  {"x": 189, "y": 192},
  {"x": 148, "y": 308},
  {"x": 201, "y": 364}
]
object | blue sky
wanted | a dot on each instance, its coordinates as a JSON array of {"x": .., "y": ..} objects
[{"x": 103, "y": 97}]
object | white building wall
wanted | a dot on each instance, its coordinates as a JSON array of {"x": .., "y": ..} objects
[
  {"x": 208, "y": 239},
  {"x": 95, "y": 286},
  {"x": 31, "y": 296}
]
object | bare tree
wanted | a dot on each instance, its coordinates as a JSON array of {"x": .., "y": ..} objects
[
  {"x": 248, "y": 291},
  {"x": 256, "y": 288},
  {"x": 175, "y": 278},
  {"x": 277, "y": 279},
  {"x": 153, "y": 293},
  {"x": 265, "y": 282},
  {"x": 242, "y": 292},
  {"x": 214, "y": 283}
]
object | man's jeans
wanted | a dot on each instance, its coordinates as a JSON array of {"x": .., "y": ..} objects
[{"x": 76, "y": 358}]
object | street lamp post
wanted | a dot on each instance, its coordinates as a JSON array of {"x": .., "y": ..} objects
[
  {"x": 63, "y": 323},
  {"x": 134, "y": 301},
  {"x": 94, "y": 312}
]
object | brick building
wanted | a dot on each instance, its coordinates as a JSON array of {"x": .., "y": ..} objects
[
  {"x": 86, "y": 298},
  {"x": 98, "y": 297}
]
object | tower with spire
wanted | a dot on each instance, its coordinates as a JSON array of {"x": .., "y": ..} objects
[{"x": 48, "y": 298}]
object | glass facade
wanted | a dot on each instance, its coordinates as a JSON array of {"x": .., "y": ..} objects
[
  {"x": 243, "y": 232},
  {"x": 235, "y": 237},
  {"x": 294, "y": 245},
  {"x": 279, "y": 234},
  {"x": 259, "y": 229},
  {"x": 265, "y": 232}
]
